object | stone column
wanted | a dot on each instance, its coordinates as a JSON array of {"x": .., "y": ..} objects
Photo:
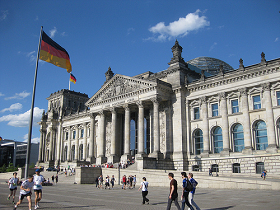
[
  {"x": 85, "y": 142},
  {"x": 69, "y": 145},
  {"x": 41, "y": 146},
  {"x": 77, "y": 144},
  {"x": 188, "y": 131},
  {"x": 246, "y": 122},
  {"x": 58, "y": 144},
  {"x": 225, "y": 126},
  {"x": 44, "y": 146},
  {"x": 113, "y": 138},
  {"x": 91, "y": 138},
  {"x": 51, "y": 145},
  {"x": 140, "y": 129},
  {"x": 271, "y": 136},
  {"x": 156, "y": 130},
  {"x": 126, "y": 154},
  {"x": 204, "y": 115},
  {"x": 101, "y": 141}
]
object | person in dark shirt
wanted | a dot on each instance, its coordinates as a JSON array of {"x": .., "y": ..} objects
[{"x": 173, "y": 194}]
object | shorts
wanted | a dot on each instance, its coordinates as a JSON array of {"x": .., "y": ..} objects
[
  {"x": 13, "y": 189},
  {"x": 38, "y": 190},
  {"x": 21, "y": 196}
]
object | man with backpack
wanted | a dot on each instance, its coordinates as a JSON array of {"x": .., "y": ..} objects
[
  {"x": 187, "y": 187},
  {"x": 191, "y": 193}
]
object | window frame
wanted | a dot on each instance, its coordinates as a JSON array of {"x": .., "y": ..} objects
[
  {"x": 215, "y": 112},
  {"x": 256, "y": 104},
  {"x": 234, "y": 108},
  {"x": 196, "y": 113}
]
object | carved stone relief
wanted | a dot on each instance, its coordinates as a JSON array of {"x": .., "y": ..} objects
[{"x": 162, "y": 128}]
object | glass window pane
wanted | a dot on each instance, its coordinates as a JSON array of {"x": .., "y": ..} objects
[
  {"x": 278, "y": 97},
  {"x": 257, "y": 102},
  {"x": 234, "y": 105}
]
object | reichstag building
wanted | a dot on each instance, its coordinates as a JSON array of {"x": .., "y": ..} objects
[{"x": 192, "y": 116}]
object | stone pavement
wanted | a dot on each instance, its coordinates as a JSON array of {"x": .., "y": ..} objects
[{"x": 73, "y": 196}]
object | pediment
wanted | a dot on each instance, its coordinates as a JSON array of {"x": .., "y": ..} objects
[
  {"x": 213, "y": 99},
  {"x": 255, "y": 91},
  {"x": 233, "y": 95},
  {"x": 118, "y": 86},
  {"x": 194, "y": 103},
  {"x": 276, "y": 86}
]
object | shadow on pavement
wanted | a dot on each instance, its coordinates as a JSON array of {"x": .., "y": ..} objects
[{"x": 222, "y": 208}]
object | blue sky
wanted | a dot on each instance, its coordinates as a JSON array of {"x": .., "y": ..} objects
[{"x": 130, "y": 36}]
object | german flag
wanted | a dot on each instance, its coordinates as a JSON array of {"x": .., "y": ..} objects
[
  {"x": 72, "y": 78},
  {"x": 54, "y": 53}
]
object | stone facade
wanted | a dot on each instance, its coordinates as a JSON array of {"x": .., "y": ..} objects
[{"x": 182, "y": 118}]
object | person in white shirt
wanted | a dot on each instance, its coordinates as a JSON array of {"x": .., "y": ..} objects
[
  {"x": 13, "y": 182},
  {"x": 38, "y": 181},
  {"x": 25, "y": 191},
  {"x": 144, "y": 186}
]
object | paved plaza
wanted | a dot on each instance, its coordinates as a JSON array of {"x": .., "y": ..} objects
[{"x": 73, "y": 196}]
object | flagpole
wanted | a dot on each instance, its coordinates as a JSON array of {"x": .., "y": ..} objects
[
  {"x": 69, "y": 82},
  {"x": 31, "y": 111}
]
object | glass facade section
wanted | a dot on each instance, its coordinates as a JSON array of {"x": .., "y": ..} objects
[
  {"x": 261, "y": 135},
  {"x": 217, "y": 140},
  {"x": 196, "y": 113},
  {"x": 257, "y": 102},
  {"x": 234, "y": 106},
  {"x": 215, "y": 111},
  {"x": 198, "y": 139},
  {"x": 238, "y": 138}
]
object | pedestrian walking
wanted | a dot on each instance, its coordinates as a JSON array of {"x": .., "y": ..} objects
[
  {"x": 134, "y": 181},
  {"x": 173, "y": 193},
  {"x": 264, "y": 174},
  {"x": 144, "y": 187},
  {"x": 185, "y": 193},
  {"x": 53, "y": 178},
  {"x": 38, "y": 182},
  {"x": 124, "y": 182},
  {"x": 56, "y": 179},
  {"x": 25, "y": 191},
  {"x": 13, "y": 182},
  {"x": 191, "y": 193},
  {"x": 113, "y": 181}
]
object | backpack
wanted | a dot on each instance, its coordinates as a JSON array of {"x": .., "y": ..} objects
[{"x": 189, "y": 187}]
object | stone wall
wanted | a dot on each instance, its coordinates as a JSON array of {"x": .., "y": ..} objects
[{"x": 87, "y": 175}]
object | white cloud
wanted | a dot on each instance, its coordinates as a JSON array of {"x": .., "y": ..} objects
[
  {"x": 276, "y": 40},
  {"x": 22, "y": 120},
  {"x": 53, "y": 32},
  {"x": 1, "y": 94},
  {"x": 180, "y": 27},
  {"x": 13, "y": 107},
  {"x": 213, "y": 46},
  {"x": 33, "y": 140},
  {"x": 21, "y": 95},
  {"x": 32, "y": 56},
  {"x": 3, "y": 15},
  {"x": 130, "y": 30}
]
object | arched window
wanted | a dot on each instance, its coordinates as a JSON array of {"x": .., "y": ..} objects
[
  {"x": 65, "y": 153},
  {"x": 81, "y": 152},
  {"x": 73, "y": 153},
  {"x": 238, "y": 138},
  {"x": 259, "y": 167},
  {"x": 261, "y": 135},
  {"x": 217, "y": 140},
  {"x": 236, "y": 168},
  {"x": 198, "y": 142}
]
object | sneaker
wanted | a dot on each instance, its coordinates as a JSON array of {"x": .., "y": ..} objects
[
  {"x": 35, "y": 207},
  {"x": 8, "y": 198},
  {"x": 38, "y": 205}
]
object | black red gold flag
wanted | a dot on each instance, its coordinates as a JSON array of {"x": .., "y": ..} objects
[{"x": 53, "y": 53}]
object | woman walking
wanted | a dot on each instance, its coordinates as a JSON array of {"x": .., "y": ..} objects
[{"x": 144, "y": 186}]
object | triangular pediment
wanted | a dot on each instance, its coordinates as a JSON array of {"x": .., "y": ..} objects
[
  {"x": 255, "y": 91},
  {"x": 118, "y": 86}
]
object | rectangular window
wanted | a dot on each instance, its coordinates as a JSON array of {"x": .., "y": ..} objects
[
  {"x": 74, "y": 134},
  {"x": 215, "y": 111},
  {"x": 66, "y": 136},
  {"x": 234, "y": 106},
  {"x": 257, "y": 102},
  {"x": 278, "y": 98},
  {"x": 82, "y": 133},
  {"x": 196, "y": 113}
]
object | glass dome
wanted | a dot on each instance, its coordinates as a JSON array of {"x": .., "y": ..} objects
[{"x": 210, "y": 65}]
